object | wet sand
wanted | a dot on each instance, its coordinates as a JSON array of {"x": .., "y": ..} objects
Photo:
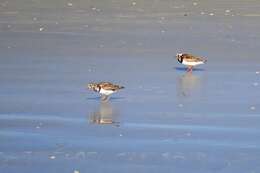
[{"x": 165, "y": 120}]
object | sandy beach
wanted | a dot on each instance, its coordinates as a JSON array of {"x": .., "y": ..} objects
[{"x": 165, "y": 120}]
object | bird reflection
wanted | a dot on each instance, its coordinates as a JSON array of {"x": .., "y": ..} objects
[
  {"x": 188, "y": 84},
  {"x": 105, "y": 114}
]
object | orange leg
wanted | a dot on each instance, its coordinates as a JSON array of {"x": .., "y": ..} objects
[
  {"x": 104, "y": 98},
  {"x": 189, "y": 69}
]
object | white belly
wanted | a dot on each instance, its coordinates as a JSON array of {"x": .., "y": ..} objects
[
  {"x": 106, "y": 92},
  {"x": 192, "y": 63}
]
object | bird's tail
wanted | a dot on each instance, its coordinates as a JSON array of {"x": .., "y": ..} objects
[{"x": 121, "y": 87}]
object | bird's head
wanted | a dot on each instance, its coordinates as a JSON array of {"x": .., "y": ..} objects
[
  {"x": 92, "y": 86},
  {"x": 178, "y": 55}
]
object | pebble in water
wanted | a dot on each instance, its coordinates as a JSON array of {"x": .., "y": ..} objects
[
  {"x": 252, "y": 108},
  {"x": 255, "y": 83},
  {"x": 69, "y": 4},
  {"x": 227, "y": 11},
  {"x": 4, "y": 4},
  {"x": 133, "y": 3},
  {"x": 81, "y": 154},
  {"x": 28, "y": 152},
  {"x": 123, "y": 42},
  {"x": 121, "y": 154},
  {"x": 211, "y": 14},
  {"x": 75, "y": 171},
  {"x": 91, "y": 153},
  {"x": 52, "y": 157},
  {"x": 188, "y": 134},
  {"x": 41, "y": 29},
  {"x": 257, "y": 72},
  {"x": 195, "y": 3},
  {"x": 140, "y": 44}
]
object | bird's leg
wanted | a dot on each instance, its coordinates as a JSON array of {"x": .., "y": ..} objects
[
  {"x": 189, "y": 69},
  {"x": 104, "y": 98}
]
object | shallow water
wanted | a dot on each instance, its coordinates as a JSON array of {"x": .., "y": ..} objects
[{"x": 164, "y": 120}]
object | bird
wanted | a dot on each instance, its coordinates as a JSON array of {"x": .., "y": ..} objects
[
  {"x": 190, "y": 60},
  {"x": 104, "y": 88}
]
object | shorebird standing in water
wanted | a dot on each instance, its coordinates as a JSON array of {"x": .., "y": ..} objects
[
  {"x": 105, "y": 89},
  {"x": 190, "y": 60}
]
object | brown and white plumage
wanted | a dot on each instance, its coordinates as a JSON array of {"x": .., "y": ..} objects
[
  {"x": 190, "y": 60},
  {"x": 104, "y": 88}
]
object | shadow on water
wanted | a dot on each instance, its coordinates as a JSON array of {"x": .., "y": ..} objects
[
  {"x": 188, "y": 84},
  {"x": 99, "y": 98},
  {"x": 105, "y": 114},
  {"x": 185, "y": 69}
]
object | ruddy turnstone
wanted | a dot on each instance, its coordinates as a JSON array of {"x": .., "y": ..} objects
[
  {"x": 190, "y": 60},
  {"x": 104, "y": 88}
]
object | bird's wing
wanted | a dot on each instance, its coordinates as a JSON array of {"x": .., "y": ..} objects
[
  {"x": 191, "y": 58},
  {"x": 108, "y": 86}
]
